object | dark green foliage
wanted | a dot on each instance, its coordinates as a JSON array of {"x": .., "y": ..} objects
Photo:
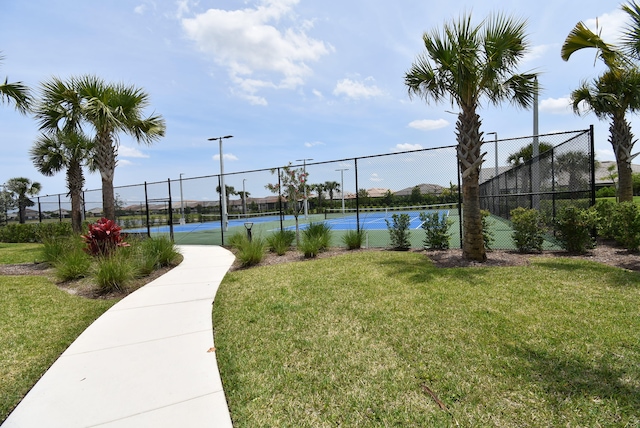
[
  {"x": 573, "y": 228},
  {"x": 354, "y": 239},
  {"x": 113, "y": 272},
  {"x": 487, "y": 232},
  {"x": 606, "y": 192},
  {"x": 311, "y": 245},
  {"x": 528, "y": 229},
  {"x": 436, "y": 228},
  {"x": 251, "y": 252},
  {"x": 158, "y": 252},
  {"x": 605, "y": 209},
  {"x": 237, "y": 240},
  {"x": 72, "y": 265},
  {"x": 399, "y": 231},
  {"x": 280, "y": 241},
  {"x": 33, "y": 232},
  {"x": 626, "y": 218}
]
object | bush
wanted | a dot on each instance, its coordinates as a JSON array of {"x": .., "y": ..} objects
[
  {"x": 55, "y": 247},
  {"x": 487, "y": 233},
  {"x": 606, "y": 192},
  {"x": 399, "y": 231},
  {"x": 528, "y": 229},
  {"x": 33, "y": 232},
  {"x": 156, "y": 253},
  {"x": 280, "y": 241},
  {"x": 72, "y": 265},
  {"x": 311, "y": 245},
  {"x": 320, "y": 232},
  {"x": 112, "y": 273},
  {"x": 573, "y": 228},
  {"x": 251, "y": 252},
  {"x": 237, "y": 240},
  {"x": 605, "y": 209},
  {"x": 436, "y": 228},
  {"x": 354, "y": 239},
  {"x": 626, "y": 218},
  {"x": 103, "y": 238}
]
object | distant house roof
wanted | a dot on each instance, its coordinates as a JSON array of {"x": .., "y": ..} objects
[
  {"x": 425, "y": 189},
  {"x": 377, "y": 192}
]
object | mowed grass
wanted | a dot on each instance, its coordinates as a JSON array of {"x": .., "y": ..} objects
[
  {"x": 37, "y": 323},
  {"x": 20, "y": 253},
  {"x": 387, "y": 339}
]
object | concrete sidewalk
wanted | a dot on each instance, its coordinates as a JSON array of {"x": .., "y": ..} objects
[{"x": 146, "y": 362}]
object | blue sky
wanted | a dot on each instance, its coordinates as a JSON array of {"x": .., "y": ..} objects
[{"x": 289, "y": 79}]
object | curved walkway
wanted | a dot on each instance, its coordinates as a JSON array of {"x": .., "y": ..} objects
[{"x": 146, "y": 362}]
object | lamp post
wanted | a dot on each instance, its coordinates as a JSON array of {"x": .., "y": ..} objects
[
  {"x": 181, "y": 201},
  {"x": 495, "y": 140},
  {"x": 304, "y": 169},
  {"x": 342, "y": 185},
  {"x": 223, "y": 190},
  {"x": 244, "y": 198}
]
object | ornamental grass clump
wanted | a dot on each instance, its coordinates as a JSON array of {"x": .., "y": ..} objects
[
  {"x": 354, "y": 239},
  {"x": 281, "y": 241}
]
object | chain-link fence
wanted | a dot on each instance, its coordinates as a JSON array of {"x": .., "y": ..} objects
[{"x": 353, "y": 194}]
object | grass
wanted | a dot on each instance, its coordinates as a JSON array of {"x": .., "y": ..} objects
[
  {"x": 366, "y": 338},
  {"x": 38, "y": 323},
  {"x": 20, "y": 253}
]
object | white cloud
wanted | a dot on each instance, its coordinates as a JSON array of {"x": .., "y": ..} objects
[
  {"x": 314, "y": 143},
  {"x": 537, "y": 52},
  {"x": 406, "y": 147},
  {"x": 226, "y": 156},
  {"x": 140, "y": 9},
  {"x": 608, "y": 25},
  {"x": 124, "y": 162},
  {"x": 130, "y": 152},
  {"x": 317, "y": 93},
  {"x": 374, "y": 177},
  {"x": 556, "y": 105},
  {"x": 357, "y": 89},
  {"x": 256, "y": 47},
  {"x": 428, "y": 124}
]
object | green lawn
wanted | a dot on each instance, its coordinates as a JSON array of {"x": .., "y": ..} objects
[
  {"x": 19, "y": 253},
  {"x": 365, "y": 339},
  {"x": 37, "y": 323}
]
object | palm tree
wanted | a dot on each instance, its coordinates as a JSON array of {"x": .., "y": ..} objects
[
  {"x": 319, "y": 188},
  {"x": 112, "y": 109},
  {"x": 15, "y": 93},
  {"x": 525, "y": 154},
  {"x": 466, "y": 64},
  {"x": 615, "y": 92},
  {"x": 21, "y": 188},
  {"x": 576, "y": 166},
  {"x": 68, "y": 150},
  {"x": 331, "y": 187}
]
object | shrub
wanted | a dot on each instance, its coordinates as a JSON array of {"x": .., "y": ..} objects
[
  {"x": 55, "y": 247},
  {"x": 573, "y": 228},
  {"x": 528, "y": 229},
  {"x": 436, "y": 228},
  {"x": 112, "y": 273},
  {"x": 626, "y": 218},
  {"x": 156, "y": 253},
  {"x": 103, "y": 238},
  {"x": 605, "y": 209},
  {"x": 399, "y": 231},
  {"x": 311, "y": 245},
  {"x": 280, "y": 241},
  {"x": 251, "y": 253},
  {"x": 353, "y": 239},
  {"x": 320, "y": 232},
  {"x": 72, "y": 265},
  {"x": 487, "y": 232},
  {"x": 606, "y": 192},
  {"x": 33, "y": 232},
  {"x": 237, "y": 240}
]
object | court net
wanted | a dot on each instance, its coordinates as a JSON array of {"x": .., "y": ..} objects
[
  {"x": 388, "y": 212},
  {"x": 254, "y": 217}
]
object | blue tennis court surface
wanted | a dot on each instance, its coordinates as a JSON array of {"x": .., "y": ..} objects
[
  {"x": 376, "y": 220},
  {"x": 209, "y": 225}
]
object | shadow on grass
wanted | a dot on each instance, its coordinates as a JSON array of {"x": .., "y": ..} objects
[
  {"x": 569, "y": 378},
  {"x": 610, "y": 276}
]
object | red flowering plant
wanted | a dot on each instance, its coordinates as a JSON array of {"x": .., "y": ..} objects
[{"x": 103, "y": 238}]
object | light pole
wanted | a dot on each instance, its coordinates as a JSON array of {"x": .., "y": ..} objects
[
  {"x": 181, "y": 201},
  {"x": 342, "y": 185},
  {"x": 244, "y": 198},
  {"x": 223, "y": 190},
  {"x": 495, "y": 140},
  {"x": 304, "y": 169}
]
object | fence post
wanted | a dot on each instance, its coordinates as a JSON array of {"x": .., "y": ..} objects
[
  {"x": 355, "y": 162},
  {"x": 146, "y": 204},
  {"x": 280, "y": 201},
  {"x": 170, "y": 211},
  {"x": 220, "y": 209},
  {"x": 592, "y": 166}
]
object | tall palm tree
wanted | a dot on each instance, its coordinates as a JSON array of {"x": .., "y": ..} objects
[
  {"x": 331, "y": 187},
  {"x": 615, "y": 92},
  {"x": 15, "y": 93},
  {"x": 112, "y": 109},
  {"x": 465, "y": 64},
  {"x": 21, "y": 188},
  {"x": 68, "y": 150}
]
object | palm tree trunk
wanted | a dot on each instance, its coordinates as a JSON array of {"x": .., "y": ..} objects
[
  {"x": 621, "y": 139},
  {"x": 470, "y": 158},
  {"x": 75, "y": 181},
  {"x": 105, "y": 159}
]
